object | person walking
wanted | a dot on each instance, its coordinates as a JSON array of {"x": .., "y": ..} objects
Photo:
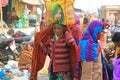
[
  {"x": 90, "y": 52},
  {"x": 77, "y": 34},
  {"x": 58, "y": 43}
]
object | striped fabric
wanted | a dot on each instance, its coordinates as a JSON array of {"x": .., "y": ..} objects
[{"x": 59, "y": 52}]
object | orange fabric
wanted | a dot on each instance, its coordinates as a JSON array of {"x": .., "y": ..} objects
[
  {"x": 73, "y": 58},
  {"x": 38, "y": 59},
  {"x": 24, "y": 59}
]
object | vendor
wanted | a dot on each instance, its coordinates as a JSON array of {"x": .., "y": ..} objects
[
  {"x": 25, "y": 58},
  {"x": 13, "y": 18},
  {"x": 32, "y": 19}
]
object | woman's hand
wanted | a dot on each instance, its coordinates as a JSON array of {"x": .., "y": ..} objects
[
  {"x": 107, "y": 51},
  {"x": 69, "y": 38},
  {"x": 41, "y": 44}
]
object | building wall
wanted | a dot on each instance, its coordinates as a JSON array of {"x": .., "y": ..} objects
[{"x": 106, "y": 11}]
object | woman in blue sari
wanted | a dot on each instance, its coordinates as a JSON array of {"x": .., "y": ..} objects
[{"x": 90, "y": 52}]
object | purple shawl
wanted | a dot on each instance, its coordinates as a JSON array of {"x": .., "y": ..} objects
[
  {"x": 116, "y": 71},
  {"x": 89, "y": 44}
]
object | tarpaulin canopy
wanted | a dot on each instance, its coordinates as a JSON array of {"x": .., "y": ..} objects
[{"x": 33, "y": 2}]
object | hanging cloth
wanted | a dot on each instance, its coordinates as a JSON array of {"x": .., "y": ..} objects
[{"x": 4, "y": 3}]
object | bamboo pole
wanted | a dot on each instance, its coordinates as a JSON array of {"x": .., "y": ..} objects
[{"x": 1, "y": 20}]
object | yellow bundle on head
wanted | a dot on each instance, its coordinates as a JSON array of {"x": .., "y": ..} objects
[{"x": 60, "y": 11}]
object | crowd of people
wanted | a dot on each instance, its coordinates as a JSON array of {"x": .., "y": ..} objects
[{"x": 77, "y": 51}]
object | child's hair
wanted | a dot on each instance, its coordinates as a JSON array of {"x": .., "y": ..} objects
[
  {"x": 103, "y": 19},
  {"x": 26, "y": 45},
  {"x": 116, "y": 37},
  {"x": 85, "y": 20}
]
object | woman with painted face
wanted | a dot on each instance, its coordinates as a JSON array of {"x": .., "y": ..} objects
[{"x": 90, "y": 52}]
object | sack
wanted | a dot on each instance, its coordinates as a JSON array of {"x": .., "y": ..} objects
[{"x": 60, "y": 11}]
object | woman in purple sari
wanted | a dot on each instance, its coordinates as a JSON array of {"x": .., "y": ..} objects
[{"x": 90, "y": 52}]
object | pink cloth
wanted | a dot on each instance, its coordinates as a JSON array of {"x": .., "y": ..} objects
[
  {"x": 4, "y": 3},
  {"x": 102, "y": 44}
]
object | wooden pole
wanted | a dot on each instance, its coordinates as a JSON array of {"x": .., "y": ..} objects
[{"x": 1, "y": 20}]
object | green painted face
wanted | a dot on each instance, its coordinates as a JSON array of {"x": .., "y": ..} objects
[{"x": 57, "y": 14}]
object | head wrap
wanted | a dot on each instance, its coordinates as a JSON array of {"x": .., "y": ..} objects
[
  {"x": 89, "y": 44},
  {"x": 60, "y": 26}
]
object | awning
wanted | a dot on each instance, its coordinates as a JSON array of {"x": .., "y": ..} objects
[{"x": 33, "y": 2}]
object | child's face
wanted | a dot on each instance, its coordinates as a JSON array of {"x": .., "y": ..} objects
[{"x": 29, "y": 47}]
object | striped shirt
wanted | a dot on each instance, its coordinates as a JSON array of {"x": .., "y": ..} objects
[{"x": 59, "y": 53}]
